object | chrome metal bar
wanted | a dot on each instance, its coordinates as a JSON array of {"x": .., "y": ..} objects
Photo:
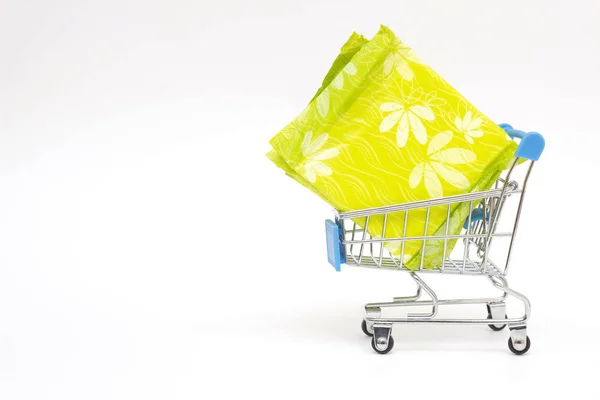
[
  {"x": 517, "y": 217},
  {"x": 396, "y": 263},
  {"x": 453, "y": 264},
  {"x": 407, "y": 298},
  {"x": 501, "y": 283},
  {"x": 498, "y": 212},
  {"x": 422, "y": 204},
  {"x": 372, "y": 250},
  {"x": 431, "y": 293},
  {"x": 457, "y": 321},
  {"x": 393, "y": 258},
  {"x": 409, "y": 238},
  {"x": 486, "y": 229},
  {"x": 364, "y": 233},
  {"x": 478, "y": 228},
  {"x": 403, "y": 236},
  {"x": 425, "y": 235},
  {"x": 351, "y": 252},
  {"x": 473, "y": 268},
  {"x": 493, "y": 219},
  {"x": 466, "y": 250},
  {"x": 446, "y": 239},
  {"x": 444, "y": 302},
  {"x": 504, "y": 283},
  {"x": 381, "y": 249}
]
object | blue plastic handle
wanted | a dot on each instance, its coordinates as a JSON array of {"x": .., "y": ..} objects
[
  {"x": 476, "y": 215},
  {"x": 335, "y": 254},
  {"x": 532, "y": 143}
]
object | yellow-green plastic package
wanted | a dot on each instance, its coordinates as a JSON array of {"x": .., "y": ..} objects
[{"x": 385, "y": 129}]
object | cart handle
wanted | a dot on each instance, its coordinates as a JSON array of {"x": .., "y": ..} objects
[
  {"x": 531, "y": 145},
  {"x": 476, "y": 215}
]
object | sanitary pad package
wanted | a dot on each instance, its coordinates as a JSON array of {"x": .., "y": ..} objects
[{"x": 385, "y": 129}]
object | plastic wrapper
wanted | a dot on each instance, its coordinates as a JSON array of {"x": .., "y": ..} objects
[{"x": 385, "y": 129}]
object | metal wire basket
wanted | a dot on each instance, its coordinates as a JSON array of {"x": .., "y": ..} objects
[{"x": 487, "y": 223}]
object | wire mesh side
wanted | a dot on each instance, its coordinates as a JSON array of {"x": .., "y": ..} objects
[{"x": 465, "y": 252}]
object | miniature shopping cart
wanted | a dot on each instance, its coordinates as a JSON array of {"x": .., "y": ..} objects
[{"x": 351, "y": 244}]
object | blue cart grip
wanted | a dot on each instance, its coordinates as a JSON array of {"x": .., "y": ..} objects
[
  {"x": 532, "y": 143},
  {"x": 476, "y": 215},
  {"x": 335, "y": 251}
]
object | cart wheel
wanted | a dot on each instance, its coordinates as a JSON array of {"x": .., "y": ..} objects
[
  {"x": 387, "y": 349},
  {"x": 519, "y": 352},
  {"x": 495, "y": 327},
  {"x": 365, "y": 329}
]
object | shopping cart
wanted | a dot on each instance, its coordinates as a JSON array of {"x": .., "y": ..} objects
[{"x": 351, "y": 244}]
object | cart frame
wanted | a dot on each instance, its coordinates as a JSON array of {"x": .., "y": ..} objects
[{"x": 350, "y": 244}]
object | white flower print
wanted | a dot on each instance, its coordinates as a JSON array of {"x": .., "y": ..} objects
[
  {"x": 338, "y": 82},
  {"x": 439, "y": 165},
  {"x": 323, "y": 103},
  {"x": 408, "y": 119},
  {"x": 469, "y": 127},
  {"x": 313, "y": 165},
  {"x": 398, "y": 59}
]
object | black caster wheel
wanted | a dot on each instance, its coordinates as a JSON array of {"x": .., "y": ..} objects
[
  {"x": 494, "y": 327},
  {"x": 489, "y": 316},
  {"x": 364, "y": 328},
  {"x": 519, "y": 352},
  {"x": 389, "y": 347}
]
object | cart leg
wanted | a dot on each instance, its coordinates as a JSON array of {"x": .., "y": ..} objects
[
  {"x": 430, "y": 292},
  {"x": 382, "y": 341},
  {"x": 496, "y": 311},
  {"x": 371, "y": 312},
  {"x": 502, "y": 284},
  {"x": 408, "y": 299},
  {"x": 519, "y": 342}
]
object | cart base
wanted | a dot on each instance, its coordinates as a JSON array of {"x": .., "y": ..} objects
[{"x": 380, "y": 328}]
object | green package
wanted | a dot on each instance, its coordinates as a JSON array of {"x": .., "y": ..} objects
[{"x": 385, "y": 129}]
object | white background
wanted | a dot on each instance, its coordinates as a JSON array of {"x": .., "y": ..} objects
[{"x": 149, "y": 250}]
